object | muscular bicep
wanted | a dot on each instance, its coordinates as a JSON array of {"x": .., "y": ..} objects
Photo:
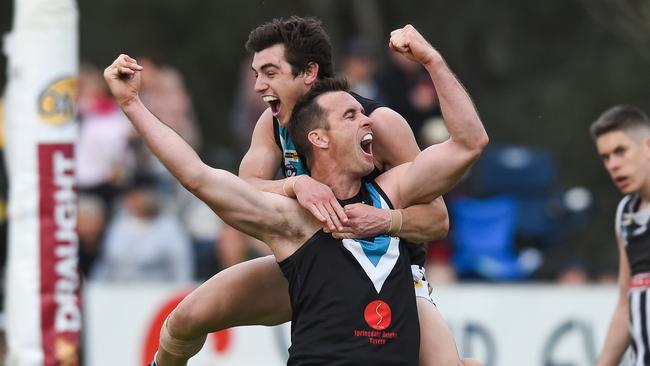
[
  {"x": 434, "y": 172},
  {"x": 394, "y": 142},
  {"x": 263, "y": 156}
]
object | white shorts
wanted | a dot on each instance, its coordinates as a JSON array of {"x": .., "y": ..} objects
[{"x": 420, "y": 283}]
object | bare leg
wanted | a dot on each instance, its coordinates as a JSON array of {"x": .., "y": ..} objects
[
  {"x": 437, "y": 344},
  {"x": 250, "y": 293}
]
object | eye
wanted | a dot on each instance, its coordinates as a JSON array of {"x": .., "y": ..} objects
[{"x": 619, "y": 151}]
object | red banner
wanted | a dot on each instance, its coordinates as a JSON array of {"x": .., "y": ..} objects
[{"x": 60, "y": 280}]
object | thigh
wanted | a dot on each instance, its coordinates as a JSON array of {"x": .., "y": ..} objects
[
  {"x": 437, "y": 344},
  {"x": 250, "y": 293}
]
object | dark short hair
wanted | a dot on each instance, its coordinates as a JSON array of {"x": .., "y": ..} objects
[
  {"x": 619, "y": 118},
  {"x": 308, "y": 115},
  {"x": 304, "y": 39}
]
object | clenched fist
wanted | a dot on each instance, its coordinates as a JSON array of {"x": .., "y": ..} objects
[
  {"x": 409, "y": 42},
  {"x": 123, "y": 79}
]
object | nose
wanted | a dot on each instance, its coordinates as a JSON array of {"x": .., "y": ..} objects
[
  {"x": 366, "y": 121},
  {"x": 613, "y": 164},
  {"x": 260, "y": 85}
]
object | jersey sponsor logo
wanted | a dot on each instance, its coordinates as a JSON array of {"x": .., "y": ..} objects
[
  {"x": 290, "y": 170},
  {"x": 56, "y": 102},
  {"x": 291, "y": 155},
  {"x": 378, "y": 315}
]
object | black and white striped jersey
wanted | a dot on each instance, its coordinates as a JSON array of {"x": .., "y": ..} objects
[{"x": 632, "y": 227}]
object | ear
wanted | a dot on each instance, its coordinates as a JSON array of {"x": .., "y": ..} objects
[
  {"x": 319, "y": 138},
  {"x": 311, "y": 73}
]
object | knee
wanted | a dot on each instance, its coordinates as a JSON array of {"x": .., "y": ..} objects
[
  {"x": 178, "y": 346},
  {"x": 186, "y": 322}
]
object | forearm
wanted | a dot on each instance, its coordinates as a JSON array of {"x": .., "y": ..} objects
[
  {"x": 279, "y": 186},
  {"x": 617, "y": 339},
  {"x": 170, "y": 148},
  {"x": 458, "y": 110},
  {"x": 425, "y": 222}
]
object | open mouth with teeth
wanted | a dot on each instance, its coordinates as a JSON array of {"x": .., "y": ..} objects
[
  {"x": 366, "y": 143},
  {"x": 273, "y": 102}
]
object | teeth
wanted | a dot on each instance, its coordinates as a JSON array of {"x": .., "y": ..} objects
[
  {"x": 269, "y": 98},
  {"x": 367, "y": 137}
]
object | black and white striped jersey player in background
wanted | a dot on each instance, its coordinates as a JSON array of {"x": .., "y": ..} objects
[{"x": 622, "y": 136}]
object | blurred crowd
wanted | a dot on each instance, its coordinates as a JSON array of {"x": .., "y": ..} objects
[{"x": 135, "y": 222}]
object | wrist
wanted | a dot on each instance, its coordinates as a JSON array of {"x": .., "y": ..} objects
[
  {"x": 130, "y": 103},
  {"x": 289, "y": 186},
  {"x": 433, "y": 60},
  {"x": 394, "y": 222}
]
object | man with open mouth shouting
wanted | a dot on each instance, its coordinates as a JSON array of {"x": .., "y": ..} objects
[{"x": 289, "y": 57}]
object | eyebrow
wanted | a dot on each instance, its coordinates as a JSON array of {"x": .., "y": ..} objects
[
  {"x": 267, "y": 65},
  {"x": 353, "y": 110}
]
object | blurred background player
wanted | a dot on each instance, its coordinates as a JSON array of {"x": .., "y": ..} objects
[{"x": 622, "y": 137}]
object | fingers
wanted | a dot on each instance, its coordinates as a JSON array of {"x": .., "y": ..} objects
[
  {"x": 340, "y": 211},
  {"x": 316, "y": 212},
  {"x": 333, "y": 217},
  {"x": 400, "y": 39},
  {"x": 338, "y": 235},
  {"x": 322, "y": 215},
  {"x": 346, "y": 232},
  {"x": 123, "y": 66}
]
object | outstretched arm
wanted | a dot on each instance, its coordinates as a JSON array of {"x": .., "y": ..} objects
[
  {"x": 618, "y": 336},
  {"x": 439, "y": 167},
  {"x": 236, "y": 202}
]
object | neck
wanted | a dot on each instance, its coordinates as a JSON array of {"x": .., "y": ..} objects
[
  {"x": 343, "y": 185},
  {"x": 644, "y": 194}
]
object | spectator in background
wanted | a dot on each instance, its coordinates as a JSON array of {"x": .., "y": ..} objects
[
  {"x": 573, "y": 272},
  {"x": 144, "y": 243},
  {"x": 91, "y": 224},
  {"x": 247, "y": 106},
  {"x": 236, "y": 247},
  {"x": 622, "y": 137},
  {"x": 216, "y": 245},
  {"x": 103, "y": 157},
  {"x": 406, "y": 88},
  {"x": 358, "y": 67},
  {"x": 440, "y": 269},
  {"x": 163, "y": 89}
]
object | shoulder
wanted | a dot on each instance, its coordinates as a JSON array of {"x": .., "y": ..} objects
[
  {"x": 387, "y": 121},
  {"x": 265, "y": 121},
  {"x": 388, "y": 182},
  {"x": 394, "y": 142},
  {"x": 622, "y": 206},
  {"x": 620, "y": 209},
  {"x": 264, "y": 131}
]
